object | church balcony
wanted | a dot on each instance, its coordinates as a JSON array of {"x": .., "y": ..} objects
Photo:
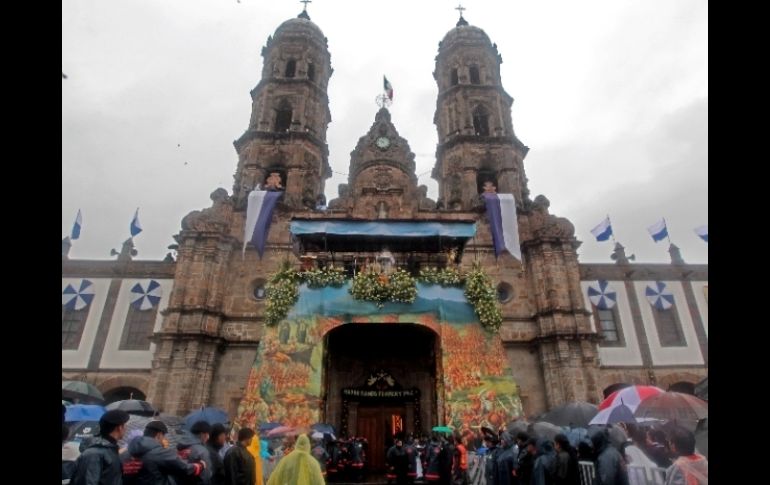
[{"x": 409, "y": 245}]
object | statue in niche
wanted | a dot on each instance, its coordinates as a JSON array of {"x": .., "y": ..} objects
[
  {"x": 382, "y": 210},
  {"x": 273, "y": 182},
  {"x": 489, "y": 187}
]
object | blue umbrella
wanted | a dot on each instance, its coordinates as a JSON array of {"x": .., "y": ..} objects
[
  {"x": 83, "y": 412},
  {"x": 209, "y": 414}
]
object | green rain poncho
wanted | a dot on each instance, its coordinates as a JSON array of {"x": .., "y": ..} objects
[{"x": 298, "y": 467}]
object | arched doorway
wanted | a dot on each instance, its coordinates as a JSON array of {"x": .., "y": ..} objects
[
  {"x": 123, "y": 392},
  {"x": 380, "y": 380}
]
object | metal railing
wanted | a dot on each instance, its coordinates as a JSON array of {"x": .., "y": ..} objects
[{"x": 637, "y": 475}]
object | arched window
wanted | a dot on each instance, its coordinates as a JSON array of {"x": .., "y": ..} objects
[
  {"x": 72, "y": 324},
  {"x": 480, "y": 122},
  {"x": 283, "y": 117},
  {"x": 138, "y": 328},
  {"x": 453, "y": 77},
  {"x": 311, "y": 71},
  {"x": 607, "y": 323},
  {"x": 669, "y": 328},
  {"x": 475, "y": 78},
  {"x": 291, "y": 68}
]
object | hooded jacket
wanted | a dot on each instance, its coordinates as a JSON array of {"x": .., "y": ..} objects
[
  {"x": 298, "y": 467},
  {"x": 192, "y": 450},
  {"x": 98, "y": 464},
  {"x": 158, "y": 464},
  {"x": 609, "y": 463}
]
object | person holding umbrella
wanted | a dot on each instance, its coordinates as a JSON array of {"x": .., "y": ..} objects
[{"x": 99, "y": 464}]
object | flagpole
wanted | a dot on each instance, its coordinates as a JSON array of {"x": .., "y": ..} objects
[{"x": 668, "y": 234}]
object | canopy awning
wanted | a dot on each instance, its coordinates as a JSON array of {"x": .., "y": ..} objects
[
  {"x": 366, "y": 236},
  {"x": 385, "y": 228}
]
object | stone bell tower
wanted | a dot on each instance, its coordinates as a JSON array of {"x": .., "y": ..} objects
[
  {"x": 213, "y": 320},
  {"x": 289, "y": 117},
  {"x": 476, "y": 142}
]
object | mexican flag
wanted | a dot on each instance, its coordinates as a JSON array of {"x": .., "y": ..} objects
[{"x": 387, "y": 87}]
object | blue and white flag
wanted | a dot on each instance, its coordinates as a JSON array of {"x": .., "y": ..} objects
[
  {"x": 259, "y": 214},
  {"x": 602, "y": 295},
  {"x": 136, "y": 228},
  {"x": 147, "y": 296},
  {"x": 76, "y": 226},
  {"x": 603, "y": 231},
  {"x": 79, "y": 296},
  {"x": 703, "y": 232},
  {"x": 658, "y": 231},
  {"x": 501, "y": 211},
  {"x": 659, "y": 296}
]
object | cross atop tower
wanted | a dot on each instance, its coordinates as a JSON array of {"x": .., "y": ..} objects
[
  {"x": 306, "y": 2},
  {"x": 460, "y": 9}
]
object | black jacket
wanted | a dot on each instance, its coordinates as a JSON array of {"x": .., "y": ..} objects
[
  {"x": 217, "y": 466},
  {"x": 98, "y": 464},
  {"x": 158, "y": 464},
  {"x": 240, "y": 467}
]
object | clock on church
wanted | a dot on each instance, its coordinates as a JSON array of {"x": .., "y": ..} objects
[{"x": 383, "y": 142}]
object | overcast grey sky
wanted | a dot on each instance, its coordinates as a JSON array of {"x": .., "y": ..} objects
[{"x": 611, "y": 97}]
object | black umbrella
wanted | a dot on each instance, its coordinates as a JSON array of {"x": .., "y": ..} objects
[
  {"x": 82, "y": 392},
  {"x": 574, "y": 414},
  {"x": 132, "y": 406}
]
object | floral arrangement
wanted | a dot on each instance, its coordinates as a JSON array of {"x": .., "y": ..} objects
[
  {"x": 372, "y": 285},
  {"x": 482, "y": 295},
  {"x": 319, "y": 278},
  {"x": 444, "y": 277},
  {"x": 282, "y": 292}
]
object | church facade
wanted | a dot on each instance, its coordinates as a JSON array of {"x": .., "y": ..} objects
[{"x": 191, "y": 331}]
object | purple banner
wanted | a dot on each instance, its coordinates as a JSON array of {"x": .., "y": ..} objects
[
  {"x": 259, "y": 237},
  {"x": 495, "y": 221}
]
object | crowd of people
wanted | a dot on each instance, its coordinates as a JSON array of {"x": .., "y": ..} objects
[
  {"x": 204, "y": 456},
  {"x": 525, "y": 459}
]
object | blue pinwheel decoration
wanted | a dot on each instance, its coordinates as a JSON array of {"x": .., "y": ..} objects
[
  {"x": 603, "y": 295},
  {"x": 147, "y": 296},
  {"x": 79, "y": 296},
  {"x": 659, "y": 296}
]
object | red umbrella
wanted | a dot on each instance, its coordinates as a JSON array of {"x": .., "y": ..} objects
[
  {"x": 280, "y": 431},
  {"x": 628, "y": 396}
]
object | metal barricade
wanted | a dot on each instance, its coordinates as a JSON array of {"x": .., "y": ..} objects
[
  {"x": 587, "y": 473},
  {"x": 640, "y": 475}
]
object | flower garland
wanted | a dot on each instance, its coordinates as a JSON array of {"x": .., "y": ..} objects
[
  {"x": 371, "y": 285},
  {"x": 444, "y": 277},
  {"x": 282, "y": 292},
  {"x": 319, "y": 278},
  {"x": 482, "y": 295}
]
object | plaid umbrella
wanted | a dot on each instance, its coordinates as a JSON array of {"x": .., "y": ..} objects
[
  {"x": 132, "y": 406},
  {"x": 136, "y": 424},
  {"x": 673, "y": 406}
]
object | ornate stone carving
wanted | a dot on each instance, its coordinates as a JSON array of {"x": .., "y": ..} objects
[{"x": 213, "y": 219}]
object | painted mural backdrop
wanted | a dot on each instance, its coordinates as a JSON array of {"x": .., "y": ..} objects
[{"x": 475, "y": 387}]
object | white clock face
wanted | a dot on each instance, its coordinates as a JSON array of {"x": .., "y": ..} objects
[{"x": 383, "y": 142}]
